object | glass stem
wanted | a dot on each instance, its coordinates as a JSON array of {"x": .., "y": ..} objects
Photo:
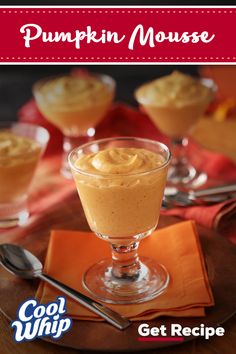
[
  {"x": 69, "y": 143},
  {"x": 180, "y": 171},
  {"x": 178, "y": 150},
  {"x": 125, "y": 261}
]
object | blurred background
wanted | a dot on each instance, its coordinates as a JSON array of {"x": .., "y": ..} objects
[
  {"x": 215, "y": 131},
  {"x": 16, "y": 81}
]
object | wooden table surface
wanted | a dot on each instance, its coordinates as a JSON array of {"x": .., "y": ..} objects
[{"x": 216, "y": 345}]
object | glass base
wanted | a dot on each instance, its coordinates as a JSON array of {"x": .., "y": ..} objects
[
  {"x": 152, "y": 280},
  {"x": 199, "y": 180},
  {"x": 13, "y": 214},
  {"x": 185, "y": 175},
  {"x": 181, "y": 173}
]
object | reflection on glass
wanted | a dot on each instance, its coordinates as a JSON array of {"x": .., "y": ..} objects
[{"x": 121, "y": 182}]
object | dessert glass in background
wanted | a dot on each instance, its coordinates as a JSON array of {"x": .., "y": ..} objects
[
  {"x": 175, "y": 103},
  {"x": 75, "y": 104},
  {"x": 121, "y": 182},
  {"x": 21, "y": 146}
]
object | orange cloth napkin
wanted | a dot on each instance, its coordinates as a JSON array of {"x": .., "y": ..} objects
[
  {"x": 217, "y": 216},
  {"x": 70, "y": 253}
]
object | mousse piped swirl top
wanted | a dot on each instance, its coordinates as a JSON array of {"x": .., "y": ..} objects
[
  {"x": 174, "y": 90},
  {"x": 14, "y": 145},
  {"x": 69, "y": 92},
  {"x": 118, "y": 161}
]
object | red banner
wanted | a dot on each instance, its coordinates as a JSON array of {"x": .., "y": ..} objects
[{"x": 117, "y": 34}]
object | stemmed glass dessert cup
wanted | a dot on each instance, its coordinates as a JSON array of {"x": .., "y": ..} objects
[
  {"x": 121, "y": 182},
  {"x": 75, "y": 105},
  {"x": 21, "y": 146},
  {"x": 175, "y": 114}
]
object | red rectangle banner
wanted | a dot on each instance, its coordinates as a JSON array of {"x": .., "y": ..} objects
[{"x": 117, "y": 34}]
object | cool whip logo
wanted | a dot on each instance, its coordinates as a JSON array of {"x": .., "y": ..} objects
[{"x": 34, "y": 320}]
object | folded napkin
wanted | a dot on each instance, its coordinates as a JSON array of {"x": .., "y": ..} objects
[
  {"x": 215, "y": 216},
  {"x": 220, "y": 170},
  {"x": 70, "y": 253},
  {"x": 124, "y": 120}
]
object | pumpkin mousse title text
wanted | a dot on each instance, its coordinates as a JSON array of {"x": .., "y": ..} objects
[{"x": 139, "y": 36}]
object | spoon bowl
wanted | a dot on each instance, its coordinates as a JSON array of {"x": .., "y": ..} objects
[
  {"x": 24, "y": 264},
  {"x": 19, "y": 261}
]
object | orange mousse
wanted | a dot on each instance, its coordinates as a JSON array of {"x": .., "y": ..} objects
[
  {"x": 175, "y": 102},
  {"x": 121, "y": 190},
  {"x": 73, "y": 103}
]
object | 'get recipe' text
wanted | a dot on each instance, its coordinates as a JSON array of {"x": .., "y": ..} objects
[{"x": 176, "y": 330}]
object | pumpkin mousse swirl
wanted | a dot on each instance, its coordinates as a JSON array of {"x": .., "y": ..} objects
[
  {"x": 174, "y": 90},
  {"x": 69, "y": 92},
  {"x": 120, "y": 187},
  {"x": 12, "y": 145},
  {"x": 118, "y": 161}
]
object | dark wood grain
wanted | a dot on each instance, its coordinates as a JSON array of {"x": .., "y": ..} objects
[{"x": 216, "y": 345}]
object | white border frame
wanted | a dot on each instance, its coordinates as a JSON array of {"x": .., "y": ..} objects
[{"x": 117, "y": 7}]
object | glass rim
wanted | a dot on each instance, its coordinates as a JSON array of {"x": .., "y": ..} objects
[
  {"x": 119, "y": 138},
  {"x": 111, "y": 84},
  {"x": 9, "y": 124}
]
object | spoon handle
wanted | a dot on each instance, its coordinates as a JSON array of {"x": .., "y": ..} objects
[
  {"x": 228, "y": 188},
  {"x": 105, "y": 312}
]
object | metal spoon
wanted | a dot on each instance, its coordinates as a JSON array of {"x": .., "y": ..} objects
[
  {"x": 24, "y": 264},
  {"x": 225, "y": 189},
  {"x": 180, "y": 200}
]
